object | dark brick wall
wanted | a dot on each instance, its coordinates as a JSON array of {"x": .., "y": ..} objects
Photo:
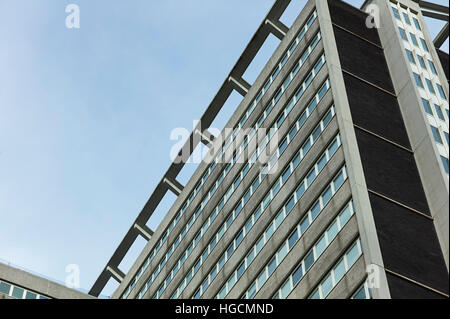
[
  {"x": 408, "y": 240},
  {"x": 444, "y": 61}
]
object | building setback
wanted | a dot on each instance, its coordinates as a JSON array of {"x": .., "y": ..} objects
[{"x": 354, "y": 201}]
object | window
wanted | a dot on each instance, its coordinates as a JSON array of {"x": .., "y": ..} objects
[
  {"x": 432, "y": 67},
  {"x": 436, "y": 134},
  {"x": 410, "y": 56},
  {"x": 439, "y": 112},
  {"x": 418, "y": 80},
  {"x": 446, "y": 137},
  {"x": 422, "y": 62},
  {"x": 414, "y": 39},
  {"x": 417, "y": 24},
  {"x": 445, "y": 163},
  {"x": 441, "y": 91},
  {"x": 424, "y": 45},
  {"x": 396, "y": 14},
  {"x": 403, "y": 34},
  {"x": 427, "y": 106},
  {"x": 17, "y": 292},
  {"x": 430, "y": 86},
  {"x": 405, "y": 16},
  {"x": 4, "y": 288}
]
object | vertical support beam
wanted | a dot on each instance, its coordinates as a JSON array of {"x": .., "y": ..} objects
[
  {"x": 174, "y": 186},
  {"x": 360, "y": 194},
  {"x": 239, "y": 85},
  {"x": 277, "y": 28},
  {"x": 116, "y": 273},
  {"x": 144, "y": 231}
]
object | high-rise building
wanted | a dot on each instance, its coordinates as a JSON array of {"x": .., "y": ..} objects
[{"x": 353, "y": 202}]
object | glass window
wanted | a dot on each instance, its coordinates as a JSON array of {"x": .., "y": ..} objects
[
  {"x": 4, "y": 288},
  {"x": 430, "y": 86},
  {"x": 293, "y": 239},
  {"x": 30, "y": 295},
  {"x": 406, "y": 17},
  {"x": 427, "y": 106},
  {"x": 345, "y": 216},
  {"x": 417, "y": 24},
  {"x": 240, "y": 270},
  {"x": 361, "y": 294},
  {"x": 418, "y": 80},
  {"x": 436, "y": 134},
  {"x": 315, "y": 210},
  {"x": 396, "y": 14},
  {"x": 285, "y": 290},
  {"x": 441, "y": 91},
  {"x": 445, "y": 163},
  {"x": 339, "y": 270},
  {"x": 332, "y": 231},
  {"x": 352, "y": 255},
  {"x": 414, "y": 39},
  {"x": 309, "y": 260},
  {"x": 306, "y": 147},
  {"x": 410, "y": 56},
  {"x": 297, "y": 275},
  {"x": 304, "y": 225},
  {"x": 327, "y": 285},
  {"x": 272, "y": 265},
  {"x": 432, "y": 67},
  {"x": 327, "y": 195},
  {"x": 320, "y": 247},
  {"x": 311, "y": 177},
  {"x": 403, "y": 34},
  {"x": 424, "y": 45},
  {"x": 17, "y": 292},
  {"x": 422, "y": 62},
  {"x": 338, "y": 181},
  {"x": 439, "y": 112}
]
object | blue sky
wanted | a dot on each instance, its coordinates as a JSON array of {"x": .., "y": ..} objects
[{"x": 86, "y": 115}]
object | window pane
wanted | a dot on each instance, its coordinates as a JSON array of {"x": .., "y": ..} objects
[
  {"x": 309, "y": 260},
  {"x": 406, "y": 17},
  {"x": 352, "y": 255},
  {"x": 339, "y": 270},
  {"x": 436, "y": 134},
  {"x": 427, "y": 106},
  {"x": 410, "y": 56},
  {"x": 17, "y": 292},
  {"x": 332, "y": 231},
  {"x": 416, "y": 22},
  {"x": 321, "y": 245},
  {"x": 418, "y": 80},
  {"x": 293, "y": 239},
  {"x": 298, "y": 274},
  {"x": 327, "y": 285},
  {"x": 4, "y": 288},
  {"x": 403, "y": 34},
  {"x": 439, "y": 112}
]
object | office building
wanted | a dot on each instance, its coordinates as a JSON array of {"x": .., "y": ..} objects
[{"x": 353, "y": 203}]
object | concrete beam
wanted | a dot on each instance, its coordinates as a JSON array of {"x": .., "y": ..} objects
[
  {"x": 441, "y": 37},
  {"x": 144, "y": 231},
  {"x": 116, "y": 273},
  {"x": 434, "y": 10},
  {"x": 174, "y": 186},
  {"x": 277, "y": 28},
  {"x": 239, "y": 85}
]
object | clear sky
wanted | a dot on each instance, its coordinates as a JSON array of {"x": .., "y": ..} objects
[{"x": 86, "y": 115}]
